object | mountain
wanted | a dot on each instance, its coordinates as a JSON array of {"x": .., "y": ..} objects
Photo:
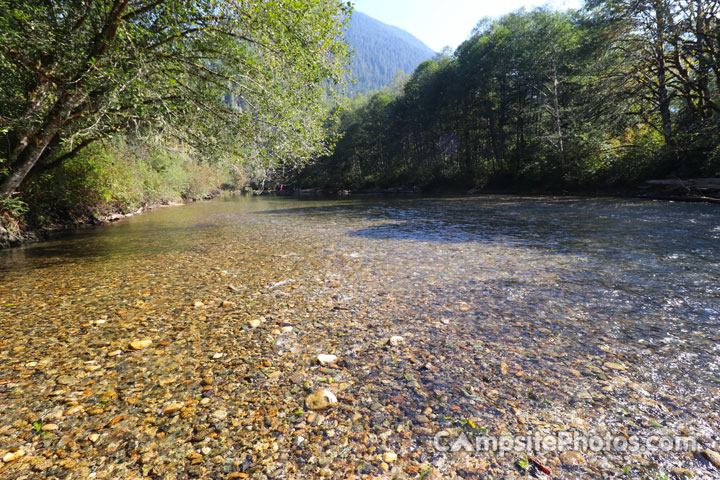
[{"x": 380, "y": 51}]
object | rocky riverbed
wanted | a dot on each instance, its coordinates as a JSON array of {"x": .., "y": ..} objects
[{"x": 285, "y": 340}]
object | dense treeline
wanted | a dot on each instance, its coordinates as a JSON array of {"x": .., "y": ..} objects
[{"x": 603, "y": 97}]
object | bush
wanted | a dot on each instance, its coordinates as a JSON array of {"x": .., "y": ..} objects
[{"x": 120, "y": 175}]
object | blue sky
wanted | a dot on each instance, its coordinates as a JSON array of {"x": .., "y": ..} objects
[{"x": 441, "y": 23}]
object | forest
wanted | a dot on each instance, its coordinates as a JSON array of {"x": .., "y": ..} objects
[{"x": 596, "y": 99}]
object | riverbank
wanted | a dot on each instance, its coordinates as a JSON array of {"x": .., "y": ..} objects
[
  {"x": 706, "y": 190},
  {"x": 689, "y": 190},
  {"x": 13, "y": 235}
]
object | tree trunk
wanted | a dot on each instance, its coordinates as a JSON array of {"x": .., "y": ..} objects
[
  {"x": 558, "y": 121},
  {"x": 35, "y": 149},
  {"x": 661, "y": 68},
  {"x": 24, "y": 165}
]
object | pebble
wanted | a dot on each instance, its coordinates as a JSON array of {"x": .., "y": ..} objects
[
  {"x": 572, "y": 457},
  {"x": 66, "y": 380},
  {"x": 433, "y": 474},
  {"x": 220, "y": 414},
  {"x": 140, "y": 344},
  {"x": 218, "y": 355},
  {"x": 73, "y": 410},
  {"x": 94, "y": 437},
  {"x": 396, "y": 340},
  {"x": 324, "y": 359},
  {"x": 254, "y": 323},
  {"x": 713, "y": 457},
  {"x": 320, "y": 400},
  {"x": 681, "y": 472},
  {"x": 389, "y": 457},
  {"x": 11, "y": 456},
  {"x": 172, "y": 407},
  {"x": 114, "y": 353},
  {"x": 67, "y": 464},
  {"x": 50, "y": 427},
  {"x": 615, "y": 366}
]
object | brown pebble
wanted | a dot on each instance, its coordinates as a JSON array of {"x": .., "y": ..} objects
[
  {"x": 172, "y": 408},
  {"x": 114, "y": 421},
  {"x": 74, "y": 410},
  {"x": 140, "y": 344}
]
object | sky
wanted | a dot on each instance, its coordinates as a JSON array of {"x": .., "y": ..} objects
[{"x": 440, "y": 23}]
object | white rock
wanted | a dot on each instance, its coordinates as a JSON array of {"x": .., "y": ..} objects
[
  {"x": 389, "y": 457},
  {"x": 320, "y": 400},
  {"x": 396, "y": 340},
  {"x": 324, "y": 359},
  {"x": 11, "y": 456},
  {"x": 220, "y": 414}
]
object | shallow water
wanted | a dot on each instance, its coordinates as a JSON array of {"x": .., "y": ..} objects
[{"x": 520, "y": 304}]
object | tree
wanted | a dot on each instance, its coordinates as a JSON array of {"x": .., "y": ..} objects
[
  {"x": 671, "y": 50},
  {"x": 220, "y": 74}
]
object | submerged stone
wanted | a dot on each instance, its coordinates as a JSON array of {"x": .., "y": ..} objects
[{"x": 320, "y": 400}]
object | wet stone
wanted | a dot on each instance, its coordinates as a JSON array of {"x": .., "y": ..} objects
[
  {"x": 713, "y": 457},
  {"x": 66, "y": 380},
  {"x": 172, "y": 408},
  {"x": 140, "y": 344},
  {"x": 321, "y": 400},
  {"x": 12, "y": 456}
]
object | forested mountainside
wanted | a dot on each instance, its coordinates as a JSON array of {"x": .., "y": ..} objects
[{"x": 380, "y": 51}]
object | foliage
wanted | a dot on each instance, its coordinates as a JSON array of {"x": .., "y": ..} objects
[
  {"x": 221, "y": 75},
  {"x": 12, "y": 212},
  {"x": 120, "y": 175},
  {"x": 545, "y": 100}
]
